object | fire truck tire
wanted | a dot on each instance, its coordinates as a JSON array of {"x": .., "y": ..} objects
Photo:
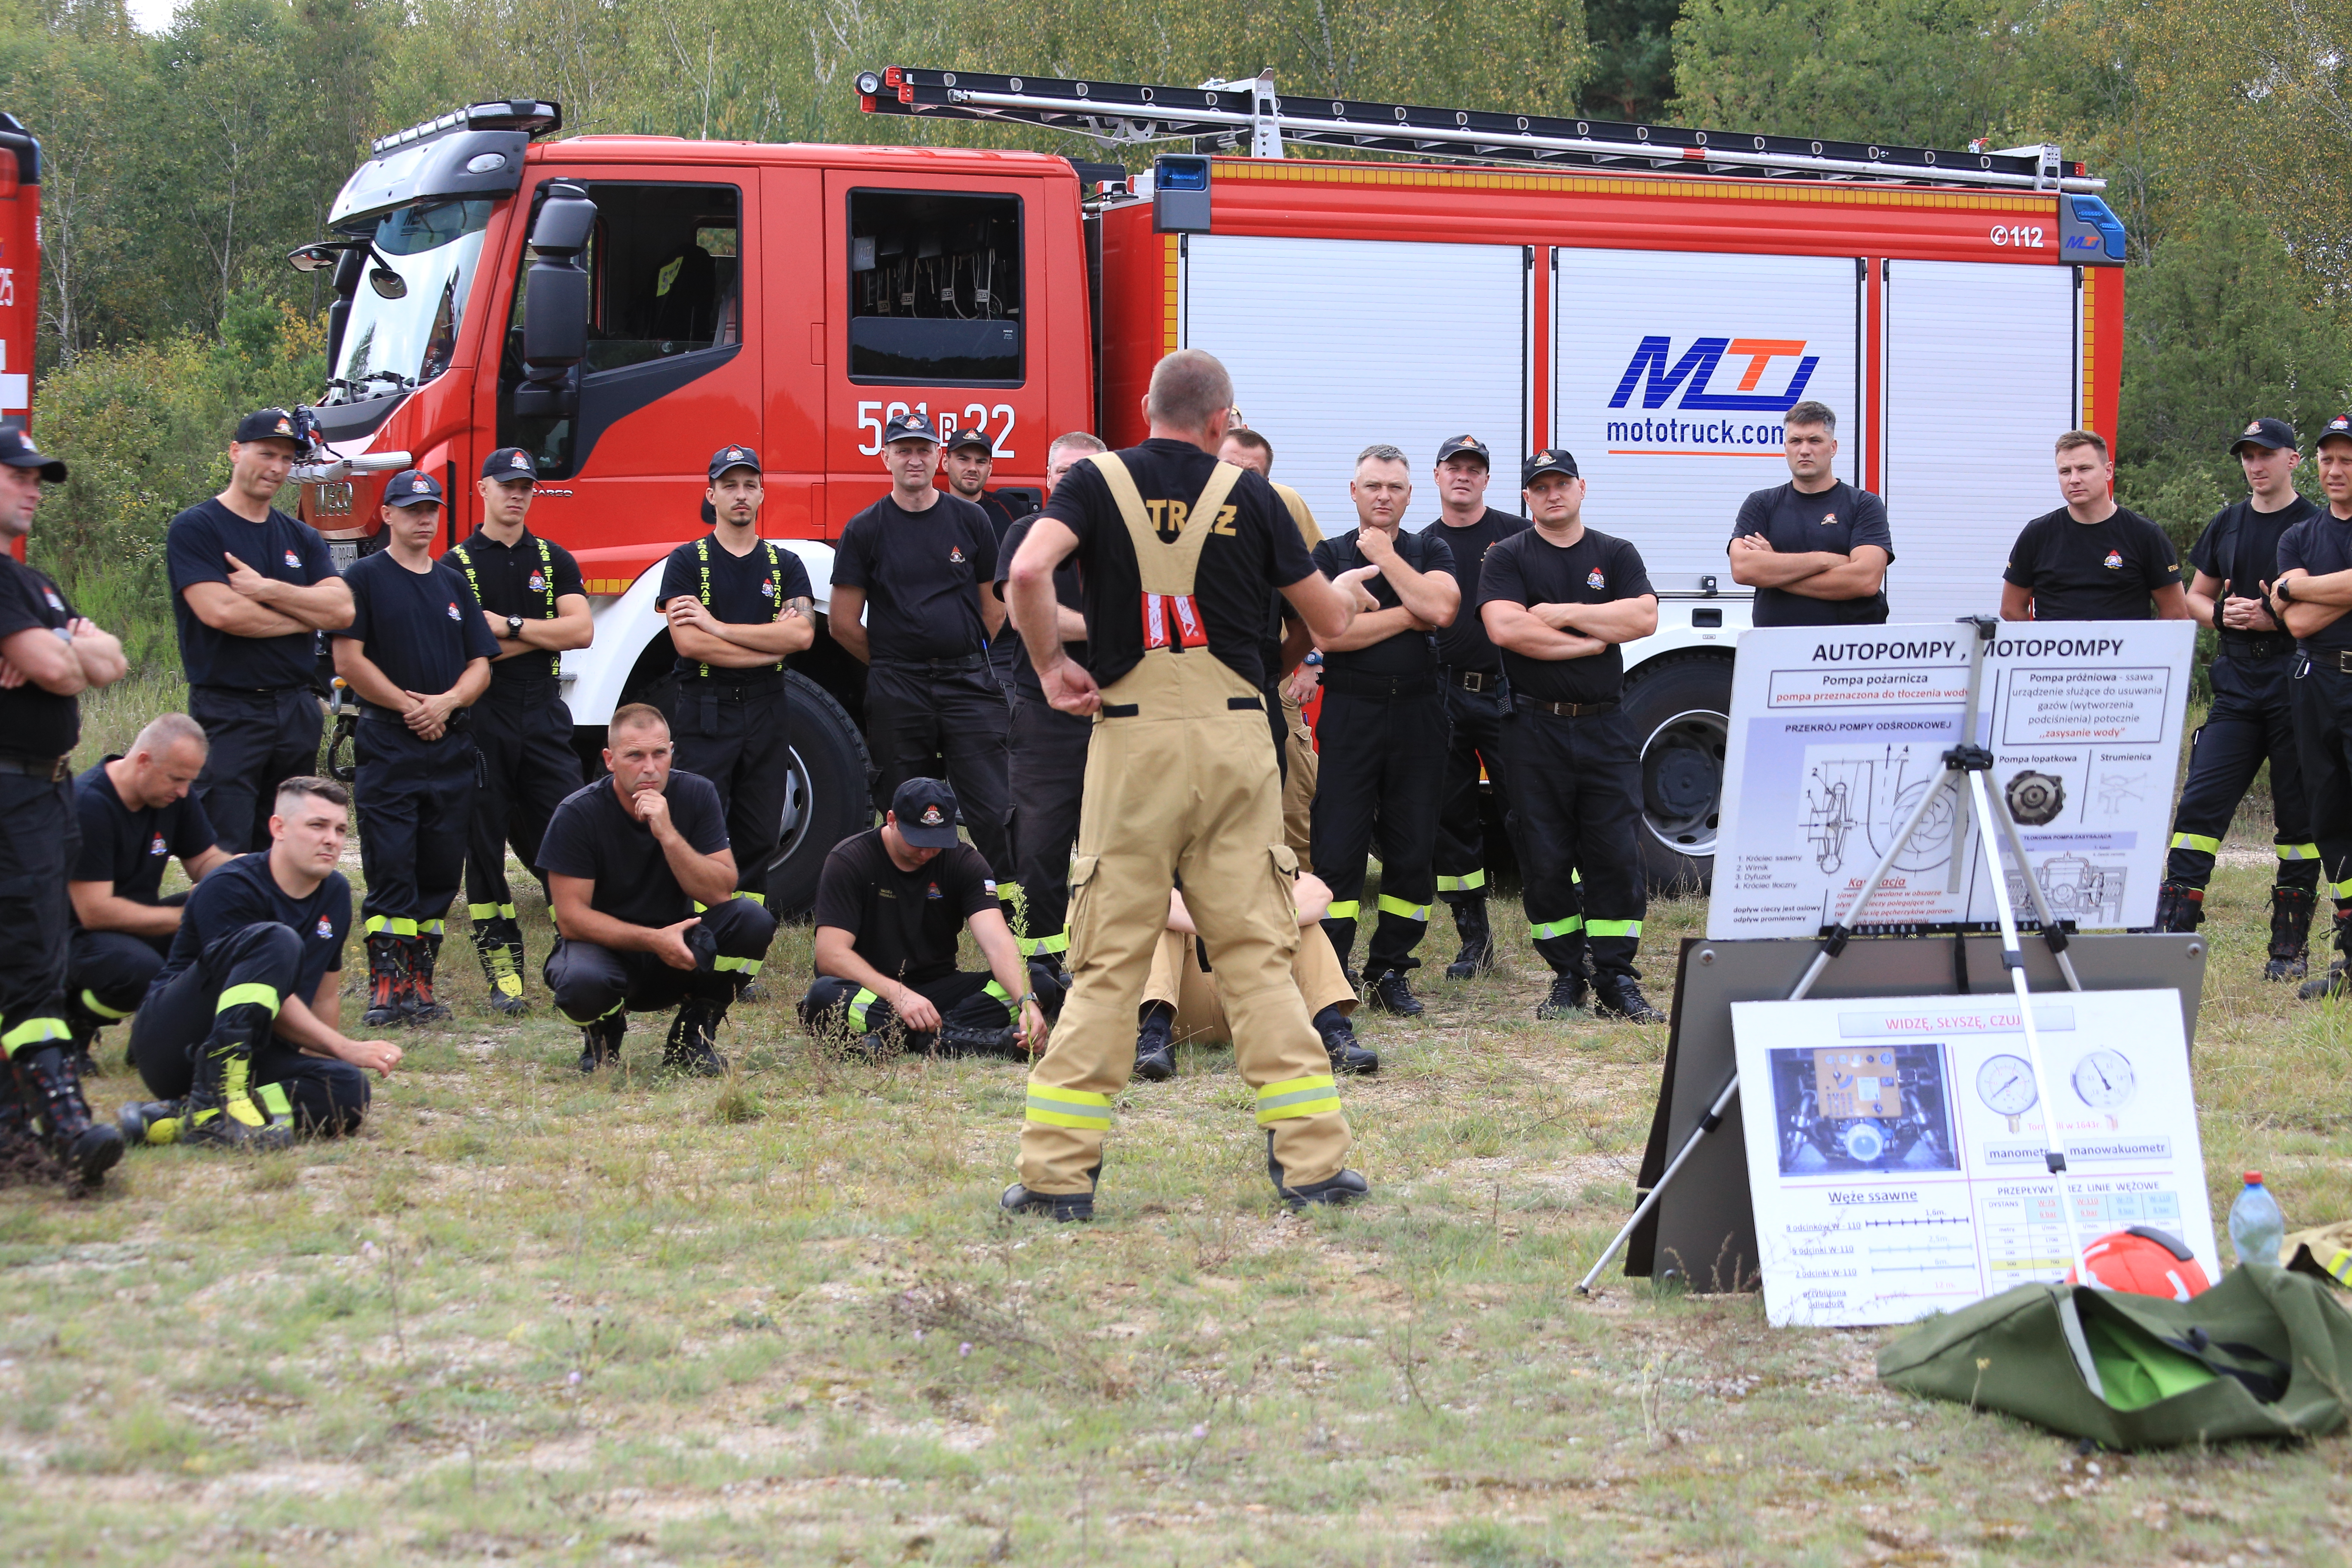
[
  {"x": 1680, "y": 706},
  {"x": 826, "y": 798}
]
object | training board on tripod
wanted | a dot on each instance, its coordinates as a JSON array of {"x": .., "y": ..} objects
[{"x": 1836, "y": 732}]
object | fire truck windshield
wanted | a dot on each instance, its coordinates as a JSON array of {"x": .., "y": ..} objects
[{"x": 404, "y": 318}]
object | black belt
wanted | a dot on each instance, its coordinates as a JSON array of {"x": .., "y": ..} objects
[
  {"x": 458, "y": 720},
  {"x": 936, "y": 666},
  {"x": 1377, "y": 687},
  {"x": 2338, "y": 659},
  {"x": 1561, "y": 710},
  {"x": 732, "y": 690},
  {"x": 53, "y": 768},
  {"x": 1471, "y": 679},
  {"x": 2251, "y": 647}
]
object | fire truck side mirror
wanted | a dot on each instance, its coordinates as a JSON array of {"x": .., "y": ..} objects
[{"x": 555, "y": 308}]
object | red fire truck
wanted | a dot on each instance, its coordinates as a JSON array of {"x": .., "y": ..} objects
[
  {"x": 1653, "y": 299},
  {"x": 20, "y": 268}
]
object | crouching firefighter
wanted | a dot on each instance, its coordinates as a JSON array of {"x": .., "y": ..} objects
[
  {"x": 240, "y": 1036},
  {"x": 419, "y": 653},
  {"x": 889, "y": 906},
  {"x": 630, "y": 861},
  {"x": 1177, "y": 551}
]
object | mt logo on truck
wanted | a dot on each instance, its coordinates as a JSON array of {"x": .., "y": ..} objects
[{"x": 1691, "y": 375}]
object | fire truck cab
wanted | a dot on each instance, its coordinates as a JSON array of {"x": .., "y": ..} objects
[{"x": 621, "y": 305}]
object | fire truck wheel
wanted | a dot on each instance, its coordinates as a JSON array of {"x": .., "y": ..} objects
[
  {"x": 1680, "y": 707},
  {"x": 824, "y": 797}
]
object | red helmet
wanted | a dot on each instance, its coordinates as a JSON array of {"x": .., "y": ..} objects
[{"x": 2145, "y": 1261}]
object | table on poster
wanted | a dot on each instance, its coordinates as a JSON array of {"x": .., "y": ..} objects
[
  {"x": 1837, "y": 731},
  {"x": 1895, "y": 1145}
]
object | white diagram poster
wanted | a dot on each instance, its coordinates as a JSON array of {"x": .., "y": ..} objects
[
  {"x": 1895, "y": 1145},
  {"x": 1836, "y": 733}
]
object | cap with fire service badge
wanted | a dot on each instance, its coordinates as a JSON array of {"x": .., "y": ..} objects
[
  {"x": 2270, "y": 435},
  {"x": 2336, "y": 429},
  {"x": 728, "y": 458},
  {"x": 925, "y": 813},
  {"x": 412, "y": 488},
  {"x": 970, "y": 436},
  {"x": 909, "y": 425},
  {"x": 509, "y": 463},
  {"x": 1550, "y": 461},
  {"x": 267, "y": 424},
  {"x": 16, "y": 451},
  {"x": 1458, "y": 445}
]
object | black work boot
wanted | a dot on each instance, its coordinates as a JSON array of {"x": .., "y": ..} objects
[
  {"x": 1571, "y": 994},
  {"x": 387, "y": 959},
  {"x": 2290, "y": 956},
  {"x": 81, "y": 1030},
  {"x": 1477, "y": 954},
  {"x": 693, "y": 1044},
  {"x": 424, "y": 953},
  {"x": 2179, "y": 908},
  {"x": 501, "y": 966},
  {"x": 600, "y": 1042},
  {"x": 221, "y": 1112},
  {"x": 50, "y": 1089},
  {"x": 1339, "y": 1042},
  {"x": 1155, "y": 1050},
  {"x": 1620, "y": 996},
  {"x": 1344, "y": 1187},
  {"x": 20, "y": 1147},
  {"x": 1392, "y": 993},
  {"x": 980, "y": 1040},
  {"x": 1062, "y": 1209},
  {"x": 2332, "y": 983},
  {"x": 152, "y": 1122}
]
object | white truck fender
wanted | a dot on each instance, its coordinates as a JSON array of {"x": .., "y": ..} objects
[{"x": 594, "y": 677}]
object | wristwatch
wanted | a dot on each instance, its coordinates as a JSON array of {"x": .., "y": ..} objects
[
  {"x": 2285, "y": 592},
  {"x": 514, "y": 628}
]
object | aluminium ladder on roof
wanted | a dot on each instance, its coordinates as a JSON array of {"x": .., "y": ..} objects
[{"x": 1250, "y": 114}]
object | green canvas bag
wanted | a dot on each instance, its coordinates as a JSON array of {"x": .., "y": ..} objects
[{"x": 2264, "y": 1354}]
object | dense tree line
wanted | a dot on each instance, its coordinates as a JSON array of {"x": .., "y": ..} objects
[{"x": 182, "y": 166}]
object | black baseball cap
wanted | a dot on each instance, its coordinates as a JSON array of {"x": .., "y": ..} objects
[
  {"x": 1457, "y": 445},
  {"x": 728, "y": 458},
  {"x": 2270, "y": 435},
  {"x": 412, "y": 487},
  {"x": 263, "y": 423},
  {"x": 1550, "y": 461},
  {"x": 2339, "y": 426},
  {"x": 926, "y": 810},
  {"x": 912, "y": 424},
  {"x": 17, "y": 451},
  {"x": 509, "y": 463},
  {"x": 971, "y": 435}
]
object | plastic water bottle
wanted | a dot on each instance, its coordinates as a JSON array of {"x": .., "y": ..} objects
[{"x": 2256, "y": 1225}]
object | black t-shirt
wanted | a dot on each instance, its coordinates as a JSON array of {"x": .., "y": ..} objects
[
  {"x": 1836, "y": 519},
  {"x": 904, "y": 923},
  {"x": 278, "y": 546},
  {"x": 746, "y": 590},
  {"x": 127, "y": 849},
  {"x": 241, "y": 892},
  {"x": 2092, "y": 571},
  {"x": 592, "y": 835},
  {"x": 1003, "y": 510},
  {"x": 2320, "y": 544},
  {"x": 1465, "y": 644},
  {"x": 1598, "y": 569},
  {"x": 525, "y": 579},
  {"x": 421, "y": 629},
  {"x": 2250, "y": 541},
  {"x": 921, "y": 572},
  {"x": 1408, "y": 653},
  {"x": 34, "y": 722},
  {"x": 1254, "y": 549},
  {"x": 1068, "y": 591}
]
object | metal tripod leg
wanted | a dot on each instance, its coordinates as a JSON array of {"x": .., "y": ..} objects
[{"x": 1830, "y": 948}]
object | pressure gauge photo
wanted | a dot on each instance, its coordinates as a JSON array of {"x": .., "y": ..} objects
[
  {"x": 2104, "y": 1079},
  {"x": 2006, "y": 1085}
]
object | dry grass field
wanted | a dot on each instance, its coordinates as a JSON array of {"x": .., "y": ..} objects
[{"x": 777, "y": 1318}]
